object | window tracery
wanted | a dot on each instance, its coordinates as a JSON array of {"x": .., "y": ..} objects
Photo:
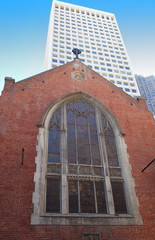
[
  {"x": 78, "y": 186},
  {"x": 92, "y": 173}
]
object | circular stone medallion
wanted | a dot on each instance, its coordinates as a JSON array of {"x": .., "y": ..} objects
[{"x": 78, "y": 76}]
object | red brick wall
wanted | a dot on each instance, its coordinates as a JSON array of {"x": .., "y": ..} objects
[{"x": 22, "y": 105}]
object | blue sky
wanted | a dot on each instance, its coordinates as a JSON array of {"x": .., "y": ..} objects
[{"x": 24, "y": 26}]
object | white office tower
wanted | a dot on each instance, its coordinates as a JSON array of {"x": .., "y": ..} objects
[{"x": 97, "y": 35}]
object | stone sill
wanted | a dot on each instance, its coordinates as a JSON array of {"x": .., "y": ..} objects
[
  {"x": 84, "y": 219},
  {"x": 86, "y": 215}
]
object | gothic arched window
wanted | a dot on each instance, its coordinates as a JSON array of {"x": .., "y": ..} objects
[{"x": 83, "y": 173}]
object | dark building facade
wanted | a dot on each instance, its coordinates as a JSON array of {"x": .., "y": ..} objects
[{"x": 72, "y": 149}]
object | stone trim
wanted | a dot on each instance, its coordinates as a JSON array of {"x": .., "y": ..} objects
[
  {"x": 39, "y": 217},
  {"x": 73, "y": 220}
]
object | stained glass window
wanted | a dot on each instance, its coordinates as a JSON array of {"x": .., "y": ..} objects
[
  {"x": 119, "y": 199},
  {"x": 82, "y": 134},
  {"x": 53, "y": 196},
  {"x": 83, "y": 170},
  {"x": 73, "y": 196},
  {"x": 54, "y": 138},
  {"x": 87, "y": 200}
]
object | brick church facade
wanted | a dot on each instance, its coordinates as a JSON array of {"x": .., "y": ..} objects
[{"x": 72, "y": 150}]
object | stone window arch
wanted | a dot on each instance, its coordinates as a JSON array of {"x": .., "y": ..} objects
[{"x": 81, "y": 175}]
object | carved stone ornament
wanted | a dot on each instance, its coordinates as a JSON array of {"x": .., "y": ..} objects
[{"x": 78, "y": 76}]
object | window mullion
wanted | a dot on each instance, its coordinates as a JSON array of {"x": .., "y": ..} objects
[
  {"x": 108, "y": 188},
  {"x": 90, "y": 149},
  {"x": 76, "y": 136},
  {"x": 96, "y": 207},
  {"x": 64, "y": 182},
  {"x": 99, "y": 131},
  {"x": 79, "y": 206}
]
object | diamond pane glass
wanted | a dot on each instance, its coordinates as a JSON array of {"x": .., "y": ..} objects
[
  {"x": 93, "y": 135},
  {"x": 83, "y": 154},
  {"x": 82, "y": 134},
  {"x": 73, "y": 197},
  {"x": 54, "y": 138},
  {"x": 71, "y": 153},
  {"x": 111, "y": 148},
  {"x": 71, "y": 133},
  {"x": 81, "y": 120},
  {"x": 70, "y": 117},
  {"x": 80, "y": 106},
  {"x": 95, "y": 155},
  {"x": 87, "y": 200},
  {"x": 54, "y": 157},
  {"x": 53, "y": 196},
  {"x": 92, "y": 121},
  {"x": 119, "y": 198},
  {"x": 100, "y": 195}
]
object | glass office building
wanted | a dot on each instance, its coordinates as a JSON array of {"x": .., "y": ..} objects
[
  {"x": 97, "y": 35},
  {"x": 147, "y": 90}
]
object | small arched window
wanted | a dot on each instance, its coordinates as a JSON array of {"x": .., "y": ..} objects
[{"x": 83, "y": 174}]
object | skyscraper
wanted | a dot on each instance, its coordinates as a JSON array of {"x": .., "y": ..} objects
[
  {"x": 97, "y": 35},
  {"x": 147, "y": 90}
]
